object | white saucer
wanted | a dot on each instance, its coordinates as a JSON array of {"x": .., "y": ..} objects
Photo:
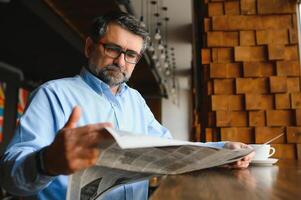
[{"x": 267, "y": 162}]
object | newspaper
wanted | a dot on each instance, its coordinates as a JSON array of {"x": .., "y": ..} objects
[{"x": 136, "y": 157}]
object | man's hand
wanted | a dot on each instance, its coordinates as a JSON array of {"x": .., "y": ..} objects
[
  {"x": 74, "y": 148},
  {"x": 245, "y": 161}
]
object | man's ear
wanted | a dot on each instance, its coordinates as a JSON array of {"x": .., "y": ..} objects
[{"x": 89, "y": 47}]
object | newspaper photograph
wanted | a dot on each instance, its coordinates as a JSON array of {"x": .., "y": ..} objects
[{"x": 136, "y": 157}]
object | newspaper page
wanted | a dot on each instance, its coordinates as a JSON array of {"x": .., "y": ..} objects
[
  {"x": 95, "y": 182},
  {"x": 133, "y": 157}
]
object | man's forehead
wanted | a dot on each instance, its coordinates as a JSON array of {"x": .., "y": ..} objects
[{"x": 116, "y": 34}]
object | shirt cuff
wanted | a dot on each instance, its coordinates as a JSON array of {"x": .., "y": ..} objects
[
  {"x": 40, "y": 165},
  {"x": 216, "y": 144},
  {"x": 39, "y": 179}
]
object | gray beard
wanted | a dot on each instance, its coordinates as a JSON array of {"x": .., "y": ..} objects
[{"x": 110, "y": 74}]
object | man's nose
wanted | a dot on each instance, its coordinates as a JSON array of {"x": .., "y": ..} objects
[{"x": 120, "y": 60}]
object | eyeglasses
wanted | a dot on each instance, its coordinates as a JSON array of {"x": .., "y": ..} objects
[{"x": 114, "y": 51}]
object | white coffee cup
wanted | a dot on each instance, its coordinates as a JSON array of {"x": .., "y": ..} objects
[{"x": 262, "y": 151}]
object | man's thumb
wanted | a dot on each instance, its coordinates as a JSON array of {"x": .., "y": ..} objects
[{"x": 73, "y": 118}]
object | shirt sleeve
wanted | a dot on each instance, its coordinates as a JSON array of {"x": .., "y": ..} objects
[{"x": 37, "y": 128}]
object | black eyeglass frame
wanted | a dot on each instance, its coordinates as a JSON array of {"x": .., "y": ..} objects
[{"x": 120, "y": 50}]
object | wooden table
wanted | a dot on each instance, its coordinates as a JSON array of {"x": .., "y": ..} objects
[{"x": 280, "y": 181}]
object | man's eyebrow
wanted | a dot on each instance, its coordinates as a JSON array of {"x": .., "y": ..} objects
[{"x": 116, "y": 45}]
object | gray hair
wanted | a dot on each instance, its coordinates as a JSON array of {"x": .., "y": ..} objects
[{"x": 125, "y": 20}]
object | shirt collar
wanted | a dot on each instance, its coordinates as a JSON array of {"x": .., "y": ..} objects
[{"x": 98, "y": 85}]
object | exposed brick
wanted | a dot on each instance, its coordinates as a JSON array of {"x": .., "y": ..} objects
[
  {"x": 285, "y": 151},
  {"x": 218, "y": 70},
  {"x": 232, "y": 8},
  {"x": 206, "y": 71},
  {"x": 212, "y": 135},
  {"x": 252, "y": 69},
  {"x": 293, "y": 134},
  {"x": 272, "y": 36},
  {"x": 257, "y": 118},
  {"x": 296, "y": 100},
  {"x": 206, "y": 56},
  {"x": 298, "y": 117},
  {"x": 282, "y": 101},
  {"x": 264, "y": 134},
  {"x": 250, "y": 85},
  {"x": 259, "y": 102},
  {"x": 244, "y": 135},
  {"x": 278, "y": 84},
  {"x": 207, "y": 24},
  {"x": 248, "y": 7},
  {"x": 222, "y": 55},
  {"x": 279, "y": 117},
  {"x": 276, "y": 51},
  {"x": 228, "y": 70},
  {"x": 288, "y": 68},
  {"x": 211, "y": 119},
  {"x": 249, "y": 54},
  {"x": 215, "y": 9},
  {"x": 210, "y": 87},
  {"x": 247, "y": 38},
  {"x": 224, "y": 86},
  {"x": 227, "y": 102},
  {"x": 291, "y": 52},
  {"x": 295, "y": 21},
  {"x": 234, "y": 22},
  {"x": 234, "y": 70},
  {"x": 208, "y": 135},
  {"x": 293, "y": 36},
  {"x": 276, "y": 7},
  {"x": 293, "y": 84},
  {"x": 222, "y": 39},
  {"x": 258, "y": 69},
  {"x": 231, "y": 118}
]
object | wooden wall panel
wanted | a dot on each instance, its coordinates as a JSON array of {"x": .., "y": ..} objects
[{"x": 251, "y": 70}]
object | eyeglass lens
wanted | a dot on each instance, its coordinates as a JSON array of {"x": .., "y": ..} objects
[{"x": 115, "y": 51}]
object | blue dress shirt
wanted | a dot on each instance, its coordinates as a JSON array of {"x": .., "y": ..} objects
[{"x": 48, "y": 111}]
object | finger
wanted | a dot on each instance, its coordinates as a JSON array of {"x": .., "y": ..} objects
[
  {"x": 73, "y": 118},
  {"x": 92, "y": 135},
  {"x": 96, "y": 138},
  {"x": 240, "y": 166},
  {"x": 94, "y": 128},
  {"x": 244, "y": 146},
  {"x": 249, "y": 157}
]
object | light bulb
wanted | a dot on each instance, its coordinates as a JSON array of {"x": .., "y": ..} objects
[
  {"x": 166, "y": 65},
  {"x": 157, "y": 36},
  {"x": 142, "y": 24},
  {"x": 151, "y": 48},
  {"x": 160, "y": 46},
  {"x": 154, "y": 57},
  {"x": 173, "y": 90},
  {"x": 157, "y": 64}
]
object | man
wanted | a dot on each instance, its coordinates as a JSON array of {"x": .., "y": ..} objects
[{"x": 64, "y": 122}]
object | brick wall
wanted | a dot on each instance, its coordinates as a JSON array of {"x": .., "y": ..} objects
[{"x": 251, "y": 69}]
